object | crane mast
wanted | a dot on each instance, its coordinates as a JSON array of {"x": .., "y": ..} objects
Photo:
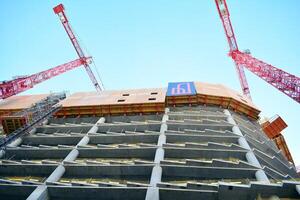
[
  {"x": 59, "y": 10},
  {"x": 224, "y": 15},
  {"x": 285, "y": 82},
  {"x": 18, "y": 85}
]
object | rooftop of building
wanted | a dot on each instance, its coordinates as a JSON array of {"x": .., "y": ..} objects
[
  {"x": 143, "y": 100},
  {"x": 17, "y": 103}
]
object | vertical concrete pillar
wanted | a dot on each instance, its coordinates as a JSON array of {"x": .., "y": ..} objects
[
  {"x": 298, "y": 189},
  {"x": 72, "y": 155},
  {"x": 45, "y": 122},
  {"x": 156, "y": 175},
  {"x": 56, "y": 174},
  {"x": 2, "y": 153},
  {"x": 33, "y": 131},
  {"x": 15, "y": 143},
  {"x": 260, "y": 175},
  {"x": 159, "y": 155},
  {"x": 94, "y": 129},
  {"x": 19, "y": 140},
  {"x": 40, "y": 193},
  {"x": 84, "y": 141}
]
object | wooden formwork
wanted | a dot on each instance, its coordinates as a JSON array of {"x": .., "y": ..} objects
[
  {"x": 281, "y": 144},
  {"x": 181, "y": 100},
  {"x": 274, "y": 126},
  {"x": 12, "y": 123},
  {"x": 101, "y": 110}
]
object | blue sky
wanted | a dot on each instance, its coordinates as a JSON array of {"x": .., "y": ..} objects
[{"x": 138, "y": 44}]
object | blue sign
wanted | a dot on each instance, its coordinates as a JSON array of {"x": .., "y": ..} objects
[{"x": 181, "y": 89}]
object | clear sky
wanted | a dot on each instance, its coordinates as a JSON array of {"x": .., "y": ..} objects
[{"x": 138, "y": 44}]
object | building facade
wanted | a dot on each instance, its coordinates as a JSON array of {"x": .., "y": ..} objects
[{"x": 156, "y": 144}]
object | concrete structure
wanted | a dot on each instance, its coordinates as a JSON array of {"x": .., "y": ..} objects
[{"x": 186, "y": 151}]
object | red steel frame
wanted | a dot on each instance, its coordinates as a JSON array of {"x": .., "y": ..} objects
[
  {"x": 287, "y": 83},
  {"x": 16, "y": 86},
  {"x": 224, "y": 15},
  {"x": 59, "y": 10}
]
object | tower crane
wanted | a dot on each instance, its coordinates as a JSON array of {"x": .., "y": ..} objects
[
  {"x": 20, "y": 84},
  {"x": 285, "y": 82},
  {"x": 59, "y": 10}
]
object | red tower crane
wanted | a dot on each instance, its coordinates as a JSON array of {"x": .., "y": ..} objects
[
  {"x": 59, "y": 10},
  {"x": 287, "y": 83},
  {"x": 20, "y": 84}
]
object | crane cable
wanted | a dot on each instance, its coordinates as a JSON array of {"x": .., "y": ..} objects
[{"x": 93, "y": 62}]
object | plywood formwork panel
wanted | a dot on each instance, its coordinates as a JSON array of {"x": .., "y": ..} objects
[
  {"x": 154, "y": 101},
  {"x": 18, "y": 103},
  {"x": 114, "y": 102},
  {"x": 118, "y": 97},
  {"x": 217, "y": 94},
  {"x": 281, "y": 144}
]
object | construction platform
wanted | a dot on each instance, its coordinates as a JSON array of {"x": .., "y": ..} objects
[
  {"x": 155, "y": 101},
  {"x": 19, "y": 103}
]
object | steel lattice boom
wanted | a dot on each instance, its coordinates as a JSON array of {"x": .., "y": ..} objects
[
  {"x": 287, "y": 83},
  {"x": 59, "y": 10},
  {"x": 16, "y": 86},
  {"x": 224, "y": 15},
  {"x": 283, "y": 81}
]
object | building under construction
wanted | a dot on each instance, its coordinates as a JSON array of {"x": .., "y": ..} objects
[{"x": 191, "y": 140}]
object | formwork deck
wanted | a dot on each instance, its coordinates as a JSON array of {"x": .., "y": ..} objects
[
  {"x": 222, "y": 91},
  {"x": 117, "y": 97},
  {"x": 154, "y": 101},
  {"x": 17, "y": 103}
]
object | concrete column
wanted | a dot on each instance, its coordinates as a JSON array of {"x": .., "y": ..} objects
[
  {"x": 260, "y": 175},
  {"x": 56, "y": 174},
  {"x": 153, "y": 191},
  {"x": 84, "y": 141},
  {"x": 162, "y": 138},
  {"x": 156, "y": 175},
  {"x": 33, "y": 131},
  {"x": 19, "y": 140},
  {"x": 2, "y": 153},
  {"x": 40, "y": 193},
  {"x": 94, "y": 129},
  {"x": 298, "y": 189},
  {"x": 159, "y": 155},
  {"x": 243, "y": 143},
  {"x": 45, "y": 122},
  {"x": 72, "y": 155},
  {"x": 15, "y": 143}
]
